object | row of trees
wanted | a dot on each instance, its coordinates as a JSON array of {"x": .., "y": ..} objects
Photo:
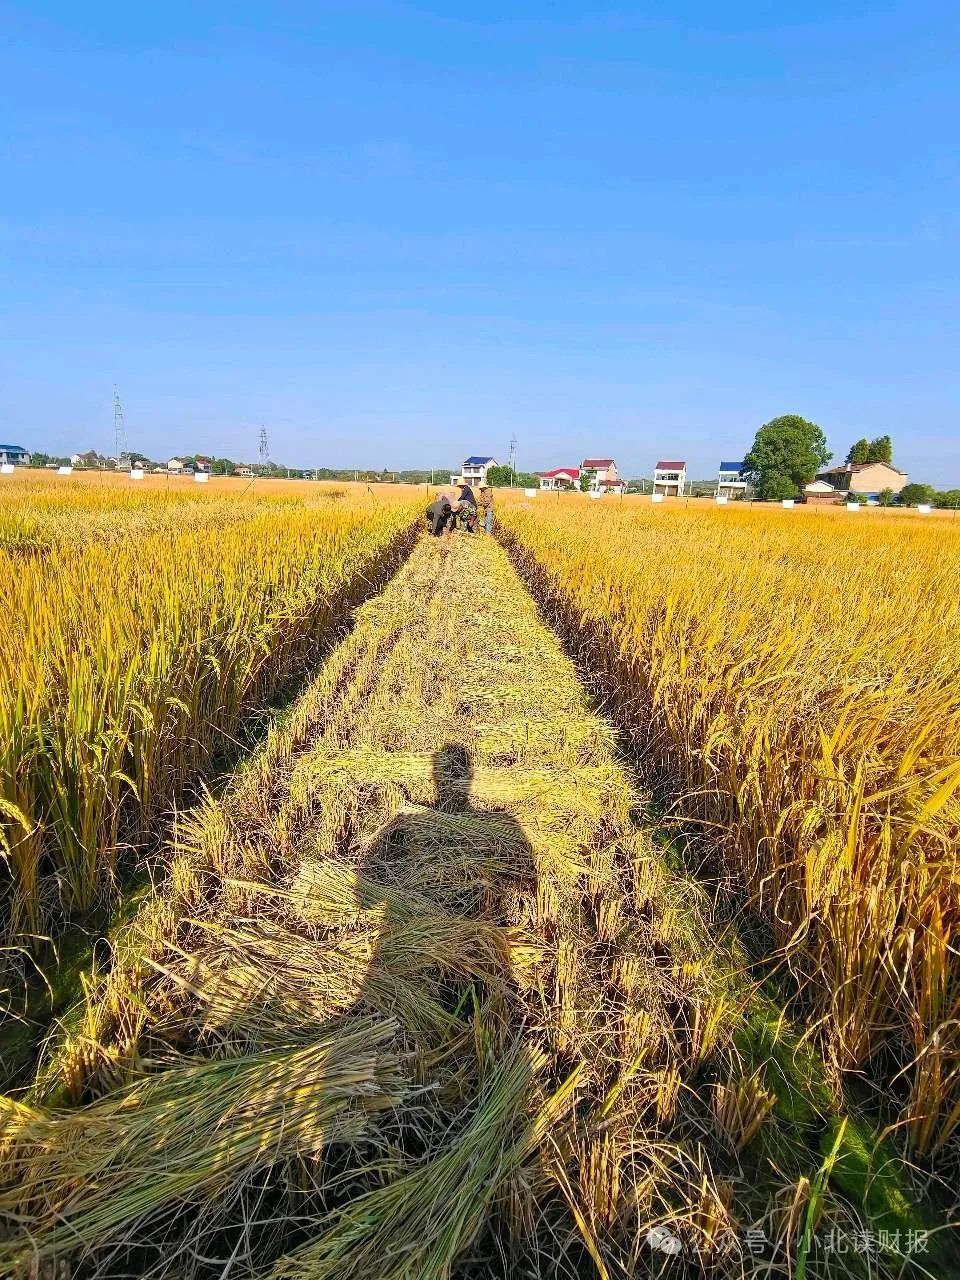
[
  {"x": 913, "y": 494},
  {"x": 48, "y": 460},
  {"x": 501, "y": 477}
]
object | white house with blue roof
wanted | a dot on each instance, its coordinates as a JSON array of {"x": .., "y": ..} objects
[
  {"x": 474, "y": 472},
  {"x": 730, "y": 481},
  {"x": 13, "y": 455}
]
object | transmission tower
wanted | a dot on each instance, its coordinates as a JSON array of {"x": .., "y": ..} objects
[
  {"x": 264, "y": 446},
  {"x": 513, "y": 457},
  {"x": 118, "y": 441}
]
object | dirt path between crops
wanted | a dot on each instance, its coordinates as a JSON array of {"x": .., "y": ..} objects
[{"x": 432, "y": 873}]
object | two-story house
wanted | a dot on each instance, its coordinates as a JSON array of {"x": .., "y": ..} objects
[
  {"x": 13, "y": 455},
  {"x": 603, "y": 475},
  {"x": 730, "y": 481},
  {"x": 866, "y": 478},
  {"x": 670, "y": 479},
  {"x": 474, "y": 472}
]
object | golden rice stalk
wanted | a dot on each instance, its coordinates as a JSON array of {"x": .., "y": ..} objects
[
  {"x": 82, "y": 1179},
  {"x": 739, "y": 1108},
  {"x": 794, "y": 709},
  {"x": 420, "y": 1223}
]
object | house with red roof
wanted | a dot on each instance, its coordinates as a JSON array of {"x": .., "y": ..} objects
[
  {"x": 603, "y": 475},
  {"x": 670, "y": 478},
  {"x": 560, "y": 478}
]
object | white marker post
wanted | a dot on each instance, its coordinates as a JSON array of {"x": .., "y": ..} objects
[
  {"x": 852, "y": 506},
  {"x": 721, "y": 499},
  {"x": 6, "y": 469},
  {"x": 64, "y": 471},
  {"x": 923, "y": 508},
  {"x": 531, "y": 493},
  {"x": 136, "y": 473},
  {"x": 787, "y": 504},
  {"x": 656, "y": 497},
  {"x": 200, "y": 477}
]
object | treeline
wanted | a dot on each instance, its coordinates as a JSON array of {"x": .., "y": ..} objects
[{"x": 912, "y": 495}]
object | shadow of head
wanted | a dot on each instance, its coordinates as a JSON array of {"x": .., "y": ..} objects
[{"x": 452, "y": 774}]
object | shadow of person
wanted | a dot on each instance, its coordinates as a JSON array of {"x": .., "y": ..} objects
[
  {"x": 421, "y": 924},
  {"x": 421, "y": 921},
  {"x": 451, "y": 885}
]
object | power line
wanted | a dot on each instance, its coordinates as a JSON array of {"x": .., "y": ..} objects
[{"x": 264, "y": 446}]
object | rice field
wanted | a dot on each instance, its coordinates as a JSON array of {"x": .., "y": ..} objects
[
  {"x": 797, "y": 676},
  {"x": 588, "y": 912},
  {"x": 137, "y": 635}
]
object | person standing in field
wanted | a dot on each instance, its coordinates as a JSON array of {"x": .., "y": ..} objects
[{"x": 485, "y": 506}]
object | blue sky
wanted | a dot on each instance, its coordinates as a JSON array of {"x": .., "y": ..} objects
[{"x": 397, "y": 233}]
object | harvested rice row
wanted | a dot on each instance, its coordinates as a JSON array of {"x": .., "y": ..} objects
[{"x": 462, "y": 1018}]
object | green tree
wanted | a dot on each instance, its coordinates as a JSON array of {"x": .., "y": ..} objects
[
  {"x": 859, "y": 450},
  {"x": 586, "y": 480},
  {"x": 787, "y": 453},
  {"x": 912, "y": 494},
  {"x": 885, "y": 497},
  {"x": 777, "y": 486},
  {"x": 948, "y": 499},
  {"x": 880, "y": 450},
  {"x": 527, "y": 480},
  {"x": 500, "y": 476}
]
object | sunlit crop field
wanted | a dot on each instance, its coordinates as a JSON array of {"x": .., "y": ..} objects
[
  {"x": 797, "y": 675},
  {"x": 580, "y": 902},
  {"x": 139, "y": 624}
]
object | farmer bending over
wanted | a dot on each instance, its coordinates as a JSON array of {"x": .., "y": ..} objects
[
  {"x": 466, "y": 508},
  {"x": 440, "y": 516}
]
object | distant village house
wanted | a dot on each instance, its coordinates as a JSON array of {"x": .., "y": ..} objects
[
  {"x": 602, "y": 474},
  {"x": 670, "y": 479},
  {"x": 730, "y": 481},
  {"x": 89, "y": 459},
  {"x": 13, "y": 455},
  {"x": 820, "y": 494},
  {"x": 559, "y": 478},
  {"x": 866, "y": 478},
  {"x": 474, "y": 472}
]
